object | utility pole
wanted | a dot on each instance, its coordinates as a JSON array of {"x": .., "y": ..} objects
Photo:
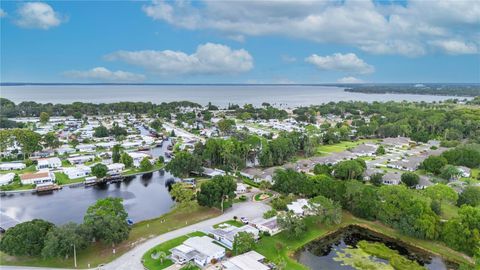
[{"x": 74, "y": 255}]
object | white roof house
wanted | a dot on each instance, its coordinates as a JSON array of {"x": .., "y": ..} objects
[
  {"x": 115, "y": 168},
  {"x": 76, "y": 172},
  {"x": 241, "y": 188},
  {"x": 199, "y": 249},
  {"x": 86, "y": 147},
  {"x": 80, "y": 159},
  {"x": 298, "y": 207},
  {"x": 6, "y": 178},
  {"x": 49, "y": 163},
  {"x": 227, "y": 234},
  {"x": 267, "y": 225},
  {"x": 65, "y": 150},
  {"x": 247, "y": 261},
  {"x": 12, "y": 166},
  {"x": 37, "y": 178}
]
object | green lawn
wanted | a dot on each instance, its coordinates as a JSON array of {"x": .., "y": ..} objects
[
  {"x": 100, "y": 253},
  {"x": 339, "y": 147},
  {"x": 133, "y": 171},
  {"x": 231, "y": 222},
  {"x": 280, "y": 247},
  {"x": 62, "y": 179},
  {"x": 29, "y": 169},
  {"x": 155, "y": 264}
]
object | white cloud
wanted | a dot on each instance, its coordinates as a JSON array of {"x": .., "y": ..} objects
[
  {"x": 349, "y": 63},
  {"x": 209, "y": 58},
  {"x": 37, "y": 15},
  {"x": 2, "y": 13},
  {"x": 103, "y": 74},
  {"x": 386, "y": 28},
  {"x": 349, "y": 79},
  {"x": 455, "y": 46}
]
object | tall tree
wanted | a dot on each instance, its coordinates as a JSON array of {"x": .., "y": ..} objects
[
  {"x": 216, "y": 191},
  {"x": 107, "y": 219},
  {"x": 44, "y": 117},
  {"x": 410, "y": 179},
  {"x": 243, "y": 242},
  {"x": 292, "y": 224},
  {"x": 116, "y": 153},
  {"x": 99, "y": 170},
  {"x": 183, "y": 164},
  {"x": 59, "y": 241}
]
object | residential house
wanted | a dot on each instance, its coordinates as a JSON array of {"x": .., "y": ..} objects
[
  {"x": 241, "y": 188},
  {"x": 464, "y": 171},
  {"x": 76, "y": 172},
  {"x": 392, "y": 178},
  {"x": 251, "y": 260},
  {"x": 49, "y": 163},
  {"x": 212, "y": 172},
  {"x": 37, "y": 178},
  {"x": 138, "y": 157},
  {"x": 397, "y": 142},
  {"x": 115, "y": 168},
  {"x": 12, "y": 166},
  {"x": 423, "y": 182},
  {"x": 6, "y": 179},
  {"x": 267, "y": 225},
  {"x": 364, "y": 150},
  {"x": 299, "y": 207},
  {"x": 226, "y": 235},
  {"x": 199, "y": 249},
  {"x": 80, "y": 159},
  {"x": 86, "y": 148},
  {"x": 65, "y": 150}
]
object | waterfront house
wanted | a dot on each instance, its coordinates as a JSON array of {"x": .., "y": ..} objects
[
  {"x": 138, "y": 157},
  {"x": 247, "y": 261},
  {"x": 199, "y": 249},
  {"x": 76, "y": 172},
  {"x": 37, "y": 178},
  {"x": 6, "y": 179},
  {"x": 115, "y": 168},
  {"x": 49, "y": 163},
  {"x": 226, "y": 235},
  {"x": 7, "y": 166}
]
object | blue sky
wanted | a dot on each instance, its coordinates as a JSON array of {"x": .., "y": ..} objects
[{"x": 240, "y": 42}]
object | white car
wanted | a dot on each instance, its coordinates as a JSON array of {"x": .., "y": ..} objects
[{"x": 244, "y": 220}]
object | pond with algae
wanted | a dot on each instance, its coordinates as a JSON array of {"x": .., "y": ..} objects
[{"x": 357, "y": 248}]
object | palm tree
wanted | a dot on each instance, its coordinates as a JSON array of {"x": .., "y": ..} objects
[{"x": 162, "y": 256}]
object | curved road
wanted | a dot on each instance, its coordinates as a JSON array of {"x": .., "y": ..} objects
[{"x": 132, "y": 259}]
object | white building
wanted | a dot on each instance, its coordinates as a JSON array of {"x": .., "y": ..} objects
[
  {"x": 200, "y": 250},
  {"x": 12, "y": 166},
  {"x": 115, "y": 168},
  {"x": 6, "y": 179},
  {"x": 251, "y": 260},
  {"x": 137, "y": 157},
  {"x": 86, "y": 147},
  {"x": 241, "y": 188},
  {"x": 267, "y": 225},
  {"x": 80, "y": 159},
  {"x": 299, "y": 207},
  {"x": 76, "y": 172},
  {"x": 227, "y": 234},
  {"x": 37, "y": 178},
  {"x": 65, "y": 150},
  {"x": 49, "y": 163}
]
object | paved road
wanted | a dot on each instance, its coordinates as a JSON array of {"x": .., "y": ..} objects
[
  {"x": 132, "y": 259},
  {"x": 181, "y": 132}
]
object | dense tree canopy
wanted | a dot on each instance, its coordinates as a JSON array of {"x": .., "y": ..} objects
[
  {"x": 107, "y": 219},
  {"x": 27, "y": 238},
  {"x": 183, "y": 164},
  {"x": 470, "y": 196},
  {"x": 60, "y": 240},
  {"x": 463, "y": 232},
  {"x": 434, "y": 164},
  {"x": 216, "y": 191},
  {"x": 349, "y": 169},
  {"x": 410, "y": 179}
]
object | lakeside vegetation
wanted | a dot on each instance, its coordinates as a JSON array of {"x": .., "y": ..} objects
[
  {"x": 281, "y": 248},
  {"x": 100, "y": 253},
  {"x": 465, "y": 90}
]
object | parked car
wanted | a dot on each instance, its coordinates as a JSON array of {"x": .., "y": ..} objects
[{"x": 244, "y": 220}]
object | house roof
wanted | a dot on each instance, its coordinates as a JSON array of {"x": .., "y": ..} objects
[
  {"x": 204, "y": 245},
  {"x": 247, "y": 261},
  {"x": 28, "y": 176}
]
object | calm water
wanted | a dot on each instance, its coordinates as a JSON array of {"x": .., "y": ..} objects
[
  {"x": 320, "y": 254},
  {"x": 145, "y": 197},
  {"x": 279, "y": 95}
]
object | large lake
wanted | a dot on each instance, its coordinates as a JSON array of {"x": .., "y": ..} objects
[{"x": 279, "y": 95}]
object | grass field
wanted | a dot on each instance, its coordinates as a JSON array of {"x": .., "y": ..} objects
[
  {"x": 155, "y": 264},
  {"x": 339, "y": 147},
  {"x": 142, "y": 231},
  {"x": 232, "y": 222},
  {"x": 281, "y": 248},
  {"x": 62, "y": 179},
  {"x": 29, "y": 169}
]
